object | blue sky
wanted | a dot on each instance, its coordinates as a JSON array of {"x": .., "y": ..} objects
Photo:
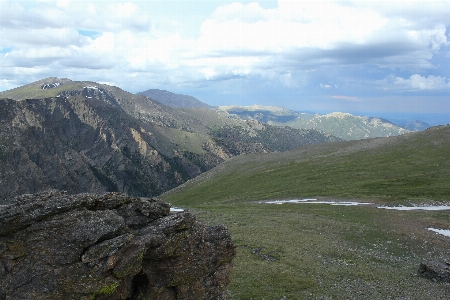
[{"x": 376, "y": 57}]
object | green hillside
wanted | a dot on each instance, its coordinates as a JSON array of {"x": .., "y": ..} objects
[
  {"x": 319, "y": 251},
  {"x": 45, "y": 88},
  {"x": 413, "y": 166}
]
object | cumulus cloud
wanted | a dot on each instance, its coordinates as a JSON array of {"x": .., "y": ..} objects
[
  {"x": 301, "y": 35},
  {"x": 61, "y": 37},
  {"x": 415, "y": 82},
  {"x": 318, "y": 24},
  {"x": 280, "y": 44}
]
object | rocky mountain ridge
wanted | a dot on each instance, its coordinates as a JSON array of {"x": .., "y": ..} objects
[{"x": 91, "y": 137}]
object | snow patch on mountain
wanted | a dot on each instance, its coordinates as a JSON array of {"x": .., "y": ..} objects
[{"x": 50, "y": 85}]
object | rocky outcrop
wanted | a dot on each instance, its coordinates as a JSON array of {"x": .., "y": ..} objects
[
  {"x": 436, "y": 271},
  {"x": 109, "y": 246}
]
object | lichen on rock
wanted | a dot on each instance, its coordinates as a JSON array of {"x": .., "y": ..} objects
[{"x": 109, "y": 246}]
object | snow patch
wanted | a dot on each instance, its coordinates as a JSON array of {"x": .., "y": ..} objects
[
  {"x": 176, "y": 209},
  {"x": 315, "y": 201},
  {"x": 442, "y": 207},
  {"x": 441, "y": 231},
  {"x": 50, "y": 85}
]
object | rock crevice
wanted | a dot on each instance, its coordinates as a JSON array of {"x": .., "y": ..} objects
[{"x": 109, "y": 246}]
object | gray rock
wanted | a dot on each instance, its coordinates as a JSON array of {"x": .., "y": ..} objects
[
  {"x": 436, "y": 271},
  {"x": 109, "y": 246}
]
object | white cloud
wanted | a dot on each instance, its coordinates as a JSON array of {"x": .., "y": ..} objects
[
  {"x": 251, "y": 12},
  {"x": 92, "y": 15},
  {"x": 308, "y": 34},
  {"x": 63, "y": 3},
  {"x": 209, "y": 73},
  {"x": 125, "y": 10},
  {"x": 318, "y": 24},
  {"x": 287, "y": 80},
  {"x": 238, "y": 40},
  {"x": 415, "y": 82},
  {"x": 44, "y": 37}
]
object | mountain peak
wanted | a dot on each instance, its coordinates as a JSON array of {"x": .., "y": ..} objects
[
  {"x": 339, "y": 115},
  {"x": 257, "y": 109},
  {"x": 174, "y": 100},
  {"x": 51, "y": 81},
  {"x": 44, "y": 88}
]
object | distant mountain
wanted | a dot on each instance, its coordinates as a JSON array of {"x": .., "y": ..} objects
[
  {"x": 83, "y": 136},
  {"x": 267, "y": 114},
  {"x": 174, "y": 100},
  {"x": 413, "y": 125},
  {"x": 343, "y": 125}
]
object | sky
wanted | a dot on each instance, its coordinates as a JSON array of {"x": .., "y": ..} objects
[{"x": 374, "y": 57}]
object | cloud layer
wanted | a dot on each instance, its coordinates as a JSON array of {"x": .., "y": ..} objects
[{"x": 301, "y": 47}]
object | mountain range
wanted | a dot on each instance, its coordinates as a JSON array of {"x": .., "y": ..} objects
[
  {"x": 83, "y": 136},
  {"x": 343, "y": 125}
]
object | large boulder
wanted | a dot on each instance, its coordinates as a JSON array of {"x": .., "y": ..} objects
[
  {"x": 435, "y": 270},
  {"x": 109, "y": 246}
]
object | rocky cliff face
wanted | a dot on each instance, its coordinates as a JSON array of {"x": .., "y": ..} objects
[
  {"x": 85, "y": 144},
  {"x": 109, "y": 246}
]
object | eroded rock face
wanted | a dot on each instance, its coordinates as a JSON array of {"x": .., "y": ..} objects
[{"x": 110, "y": 246}]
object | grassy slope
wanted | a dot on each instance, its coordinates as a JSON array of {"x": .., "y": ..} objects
[
  {"x": 412, "y": 166},
  {"x": 331, "y": 252},
  {"x": 35, "y": 92}
]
